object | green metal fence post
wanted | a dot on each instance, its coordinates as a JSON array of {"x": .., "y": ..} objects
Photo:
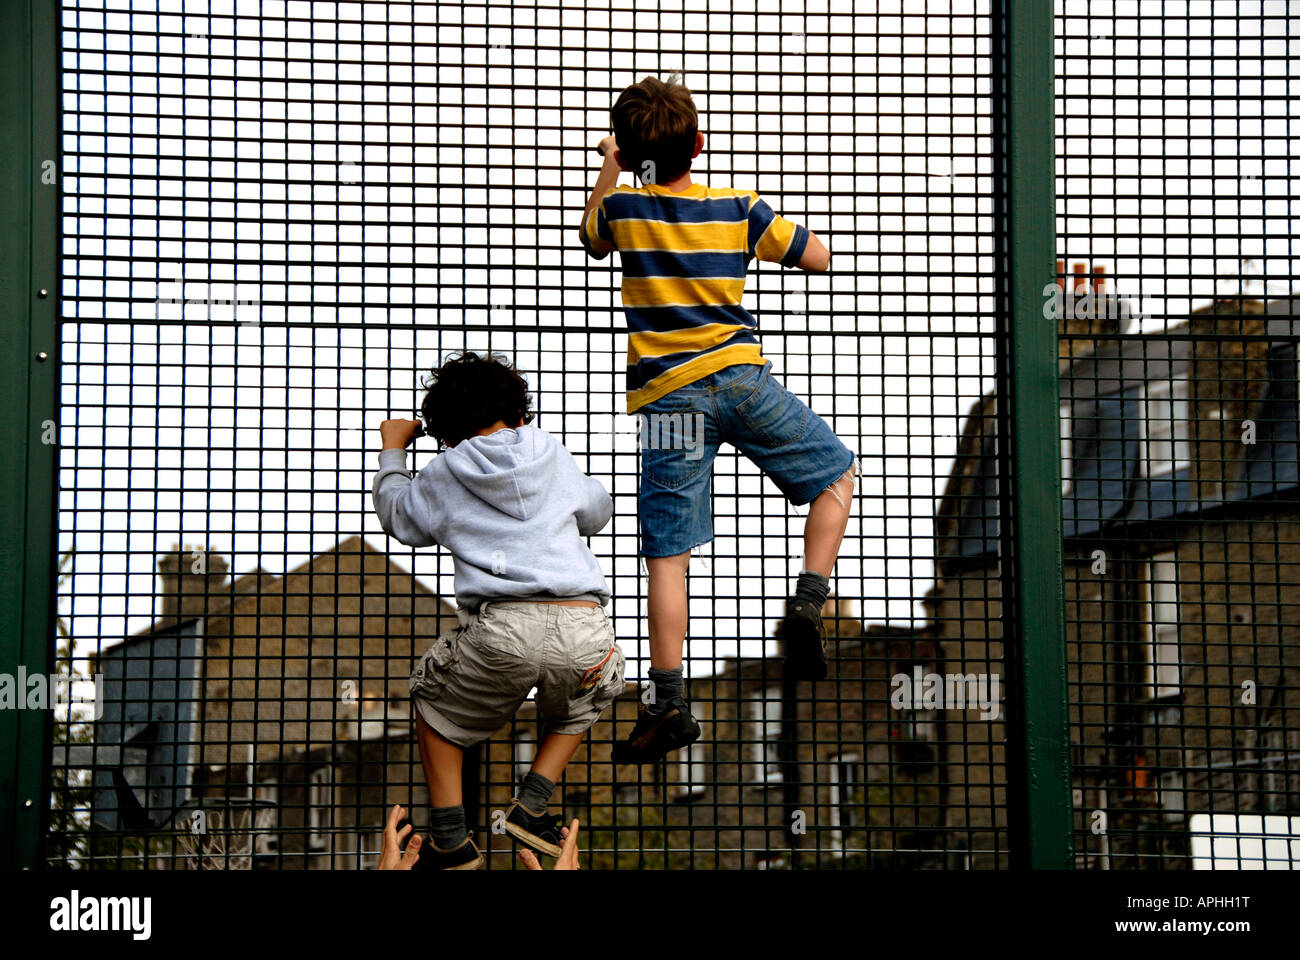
[
  {"x": 1039, "y": 812},
  {"x": 28, "y": 378}
]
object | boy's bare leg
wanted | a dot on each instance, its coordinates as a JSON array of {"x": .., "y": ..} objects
[
  {"x": 448, "y": 829},
  {"x": 828, "y": 517},
  {"x": 442, "y": 761},
  {"x": 530, "y": 820},
  {"x": 665, "y": 722},
  {"x": 554, "y": 753},
  {"x": 667, "y": 609},
  {"x": 802, "y": 629}
]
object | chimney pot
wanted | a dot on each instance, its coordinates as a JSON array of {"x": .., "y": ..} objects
[{"x": 186, "y": 594}]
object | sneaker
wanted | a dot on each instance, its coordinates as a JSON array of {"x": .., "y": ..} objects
[
  {"x": 541, "y": 831},
  {"x": 655, "y": 734},
  {"x": 805, "y": 641},
  {"x": 464, "y": 856}
]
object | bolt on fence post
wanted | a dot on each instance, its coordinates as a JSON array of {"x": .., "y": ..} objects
[{"x": 1040, "y": 816}]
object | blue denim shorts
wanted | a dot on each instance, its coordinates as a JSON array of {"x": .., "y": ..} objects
[{"x": 742, "y": 405}]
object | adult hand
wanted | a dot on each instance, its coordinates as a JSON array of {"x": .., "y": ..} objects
[
  {"x": 391, "y": 856},
  {"x": 568, "y": 859}
]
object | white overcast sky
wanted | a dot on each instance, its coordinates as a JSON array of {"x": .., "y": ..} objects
[{"x": 258, "y": 438}]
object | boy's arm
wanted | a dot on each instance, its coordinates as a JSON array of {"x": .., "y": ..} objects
[
  {"x": 596, "y": 509},
  {"x": 595, "y": 244},
  {"x": 595, "y": 506},
  {"x": 778, "y": 240},
  {"x": 407, "y": 511},
  {"x": 815, "y": 255}
]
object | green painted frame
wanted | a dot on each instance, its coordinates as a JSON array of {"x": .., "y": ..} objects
[
  {"x": 1040, "y": 814},
  {"x": 1039, "y": 799},
  {"x": 29, "y": 361}
]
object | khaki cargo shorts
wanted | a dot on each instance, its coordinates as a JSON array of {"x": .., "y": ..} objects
[{"x": 473, "y": 679}]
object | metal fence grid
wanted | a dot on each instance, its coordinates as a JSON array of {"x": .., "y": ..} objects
[
  {"x": 276, "y": 216},
  {"x": 1179, "y": 431}
]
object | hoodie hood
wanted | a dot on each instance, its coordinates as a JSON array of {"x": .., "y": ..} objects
[{"x": 511, "y": 470}]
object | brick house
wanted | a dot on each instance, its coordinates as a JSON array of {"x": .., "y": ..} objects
[
  {"x": 293, "y": 691},
  {"x": 778, "y": 779},
  {"x": 1182, "y": 549}
]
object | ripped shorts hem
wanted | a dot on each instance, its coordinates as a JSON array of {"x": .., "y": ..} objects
[
  {"x": 800, "y": 499},
  {"x": 675, "y": 553}
]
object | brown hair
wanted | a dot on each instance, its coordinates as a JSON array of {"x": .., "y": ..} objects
[{"x": 655, "y": 124}]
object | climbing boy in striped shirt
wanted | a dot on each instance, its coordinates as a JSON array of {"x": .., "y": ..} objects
[{"x": 696, "y": 378}]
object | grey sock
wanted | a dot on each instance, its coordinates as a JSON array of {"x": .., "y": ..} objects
[
  {"x": 665, "y": 685},
  {"x": 448, "y": 827},
  {"x": 535, "y": 792},
  {"x": 812, "y": 587}
]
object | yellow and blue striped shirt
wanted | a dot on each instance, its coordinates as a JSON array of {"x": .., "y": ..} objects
[{"x": 685, "y": 256}]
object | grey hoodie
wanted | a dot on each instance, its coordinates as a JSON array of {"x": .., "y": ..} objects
[{"x": 511, "y": 506}]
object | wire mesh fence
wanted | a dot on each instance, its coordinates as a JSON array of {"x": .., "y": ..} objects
[
  {"x": 1179, "y": 432},
  {"x": 277, "y": 216}
]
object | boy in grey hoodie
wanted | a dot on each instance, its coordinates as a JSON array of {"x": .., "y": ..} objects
[{"x": 511, "y": 505}]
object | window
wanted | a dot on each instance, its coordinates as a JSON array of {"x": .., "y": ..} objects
[
  {"x": 848, "y": 799},
  {"x": 318, "y": 808},
  {"x": 266, "y": 844},
  {"x": 525, "y": 750},
  {"x": 250, "y": 770},
  {"x": 1100, "y": 443},
  {"x": 913, "y": 737},
  {"x": 368, "y": 846},
  {"x": 626, "y": 793},
  {"x": 1067, "y": 415},
  {"x": 1171, "y": 795},
  {"x": 1092, "y": 812},
  {"x": 1274, "y": 760},
  {"x": 1162, "y": 670},
  {"x": 765, "y": 737},
  {"x": 1167, "y": 448},
  {"x": 692, "y": 773},
  {"x": 399, "y": 715}
]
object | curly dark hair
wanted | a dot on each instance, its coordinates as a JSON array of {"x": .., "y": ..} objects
[{"x": 470, "y": 392}]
